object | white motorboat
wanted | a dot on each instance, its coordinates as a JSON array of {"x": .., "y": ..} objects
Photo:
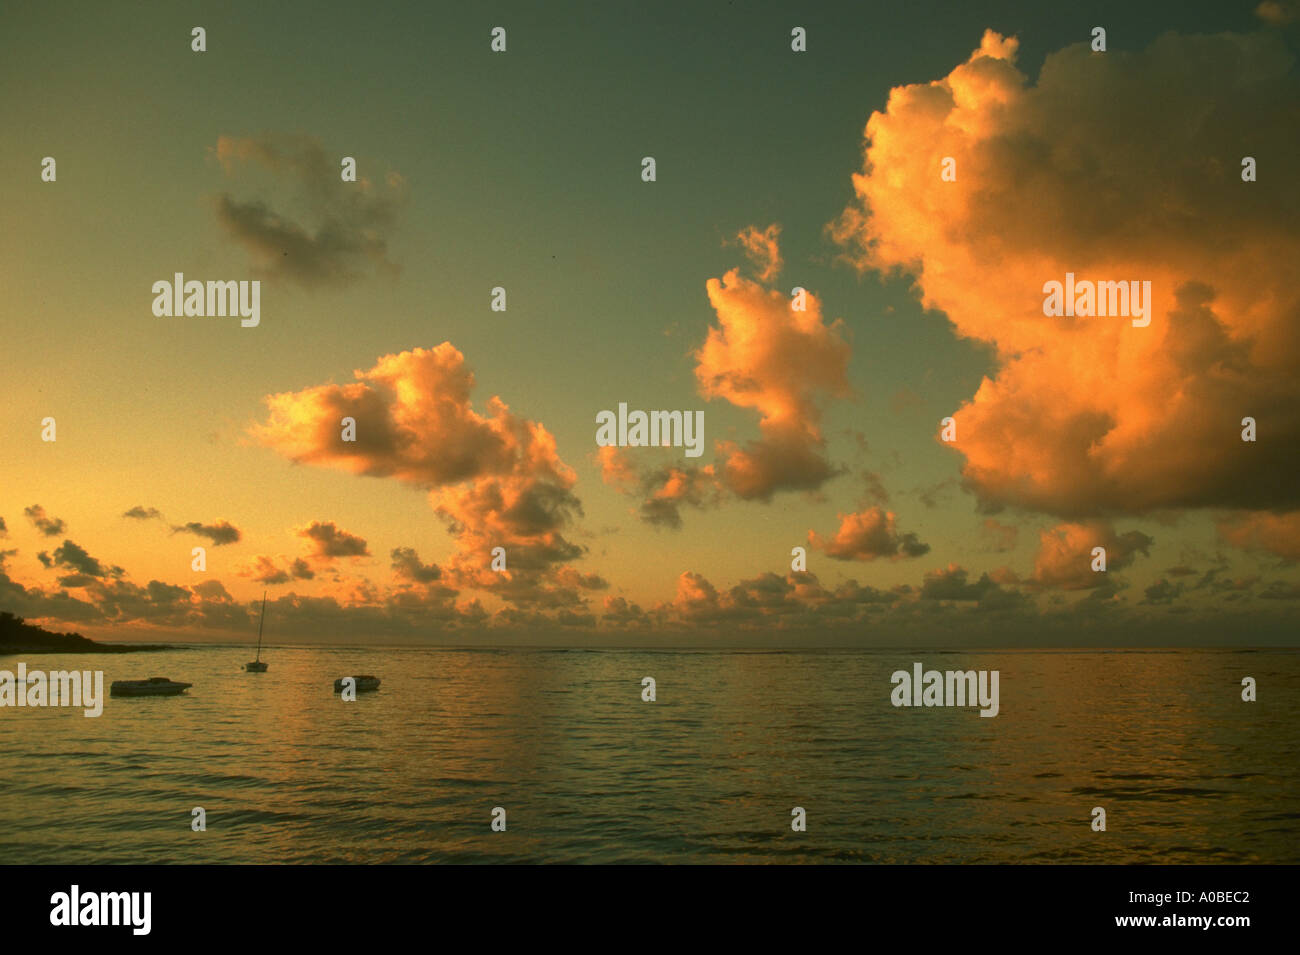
[{"x": 154, "y": 686}]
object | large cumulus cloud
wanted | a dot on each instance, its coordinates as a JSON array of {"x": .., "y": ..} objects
[{"x": 1115, "y": 166}]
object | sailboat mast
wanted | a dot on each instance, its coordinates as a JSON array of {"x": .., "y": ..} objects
[{"x": 259, "y": 627}]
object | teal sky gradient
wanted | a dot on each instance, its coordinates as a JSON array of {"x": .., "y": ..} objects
[{"x": 523, "y": 170}]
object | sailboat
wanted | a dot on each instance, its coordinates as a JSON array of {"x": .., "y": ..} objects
[{"x": 257, "y": 666}]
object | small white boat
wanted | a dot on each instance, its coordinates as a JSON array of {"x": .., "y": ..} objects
[
  {"x": 154, "y": 686},
  {"x": 257, "y": 666},
  {"x": 364, "y": 683}
]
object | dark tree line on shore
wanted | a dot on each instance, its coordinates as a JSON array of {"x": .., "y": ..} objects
[{"x": 19, "y": 636}]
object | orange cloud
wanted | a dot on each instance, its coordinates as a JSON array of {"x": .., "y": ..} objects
[
  {"x": 763, "y": 248},
  {"x": 616, "y": 466},
  {"x": 496, "y": 479},
  {"x": 1116, "y": 167},
  {"x": 1277, "y": 534},
  {"x": 796, "y": 601},
  {"x": 329, "y": 542},
  {"x": 1065, "y": 559},
  {"x": 765, "y": 355},
  {"x": 866, "y": 535},
  {"x": 770, "y": 353},
  {"x": 265, "y": 570},
  {"x": 1278, "y": 12},
  {"x": 663, "y": 490}
]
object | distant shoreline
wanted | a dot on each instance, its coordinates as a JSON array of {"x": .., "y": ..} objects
[{"x": 18, "y": 636}]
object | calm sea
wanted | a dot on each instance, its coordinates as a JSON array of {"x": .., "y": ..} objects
[{"x": 710, "y": 772}]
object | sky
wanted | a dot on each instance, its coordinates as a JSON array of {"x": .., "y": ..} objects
[{"x": 522, "y": 169}]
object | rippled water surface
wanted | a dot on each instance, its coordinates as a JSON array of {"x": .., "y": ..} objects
[{"x": 587, "y": 772}]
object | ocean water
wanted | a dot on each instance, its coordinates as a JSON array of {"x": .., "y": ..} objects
[{"x": 709, "y": 773}]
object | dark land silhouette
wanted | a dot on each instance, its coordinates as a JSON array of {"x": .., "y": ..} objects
[{"x": 19, "y": 636}]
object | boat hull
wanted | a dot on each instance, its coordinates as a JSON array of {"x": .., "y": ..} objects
[
  {"x": 365, "y": 684},
  {"x": 148, "y": 688},
  {"x": 255, "y": 667}
]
